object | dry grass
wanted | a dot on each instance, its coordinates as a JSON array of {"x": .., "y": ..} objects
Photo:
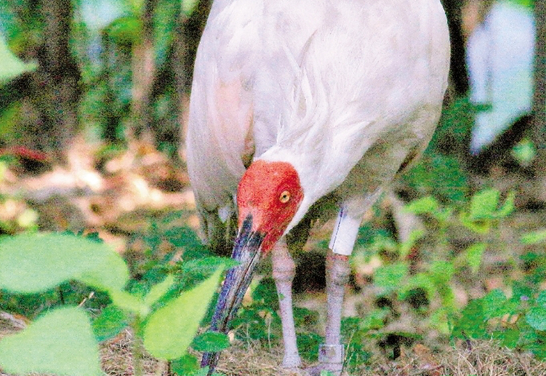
[{"x": 480, "y": 358}]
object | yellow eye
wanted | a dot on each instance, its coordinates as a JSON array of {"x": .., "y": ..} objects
[{"x": 284, "y": 197}]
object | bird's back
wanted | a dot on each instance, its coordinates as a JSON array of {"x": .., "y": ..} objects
[{"x": 311, "y": 78}]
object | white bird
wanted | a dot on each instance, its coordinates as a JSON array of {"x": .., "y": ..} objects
[{"x": 298, "y": 104}]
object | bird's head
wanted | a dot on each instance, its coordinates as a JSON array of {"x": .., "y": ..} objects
[{"x": 268, "y": 197}]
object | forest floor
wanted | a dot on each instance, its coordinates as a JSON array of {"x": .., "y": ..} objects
[{"x": 120, "y": 194}]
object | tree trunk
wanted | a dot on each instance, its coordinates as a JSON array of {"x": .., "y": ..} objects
[
  {"x": 539, "y": 97},
  {"x": 144, "y": 72},
  {"x": 55, "y": 89}
]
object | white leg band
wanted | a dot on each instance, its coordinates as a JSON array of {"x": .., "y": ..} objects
[{"x": 345, "y": 233}]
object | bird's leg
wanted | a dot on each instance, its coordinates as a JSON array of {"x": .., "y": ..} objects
[
  {"x": 284, "y": 270},
  {"x": 331, "y": 353}
]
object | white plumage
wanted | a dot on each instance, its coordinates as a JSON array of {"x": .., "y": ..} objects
[{"x": 347, "y": 92}]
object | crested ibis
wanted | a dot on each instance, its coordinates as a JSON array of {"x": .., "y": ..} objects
[{"x": 299, "y": 105}]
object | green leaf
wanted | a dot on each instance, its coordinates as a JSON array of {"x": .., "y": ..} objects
[
  {"x": 536, "y": 317},
  {"x": 541, "y": 299},
  {"x": 374, "y": 319},
  {"x": 533, "y": 237},
  {"x": 60, "y": 342},
  {"x": 11, "y": 66},
  {"x": 308, "y": 345},
  {"x": 472, "y": 322},
  {"x": 407, "y": 246},
  {"x": 508, "y": 207},
  {"x": 186, "y": 365},
  {"x": 474, "y": 255},
  {"x": 109, "y": 323},
  {"x": 171, "y": 329},
  {"x": 32, "y": 263},
  {"x": 494, "y": 304},
  {"x": 479, "y": 227},
  {"x": 126, "y": 30},
  {"x": 130, "y": 302},
  {"x": 425, "y": 205},
  {"x": 484, "y": 204},
  {"x": 441, "y": 272},
  {"x": 188, "y": 6},
  {"x": 157, "y": 291},
  {"x": 390, "y": 277},
  {"x": 420, "y": 280},
  {"x": 510, "y": 338},
  {"x": 211, "y": 342}
]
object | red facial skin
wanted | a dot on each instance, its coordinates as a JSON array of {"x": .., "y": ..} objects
[{"x": 261, "y": 193}]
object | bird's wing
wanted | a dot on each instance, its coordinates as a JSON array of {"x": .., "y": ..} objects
[
  {"x": 219, "y": 138},
  {"x": 246, "y": 62}
]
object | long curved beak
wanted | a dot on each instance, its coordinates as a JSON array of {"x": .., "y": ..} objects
[{"x": 238, "y": 278}]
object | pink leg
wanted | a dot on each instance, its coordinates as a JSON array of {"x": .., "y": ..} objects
[
  {"x": 331, "y": 354},
  {"x": 284, "y": 270}
]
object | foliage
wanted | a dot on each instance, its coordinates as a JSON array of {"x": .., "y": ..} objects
[
  {"x": 11, "y": 66},
  {"x": 518, "y": 322},
  {"x": 406, "y": 275},
  {"x": 36, "y": 262}
]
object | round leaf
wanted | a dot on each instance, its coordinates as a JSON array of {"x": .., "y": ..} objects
[
  {"x": 211, "y": 342},
  {"x": 536, "y": 317},
  {"x": 32, "y": 263},
  {"x": 60, "y": 342},
  {"x": 11, "y": 66}
]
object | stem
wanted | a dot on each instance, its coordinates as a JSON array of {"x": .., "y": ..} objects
[{"x": 138, "y": 347}]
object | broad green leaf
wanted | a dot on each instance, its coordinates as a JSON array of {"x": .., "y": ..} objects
[
  {"x": 472, "y": 323},
  {"x": 533, "y": 237},
  {"x": 474, "y": 255},
  {"x": 441, "y": 272},
  {"x": 188, "y": 6},
  {"x": 170, "y": 330},
  {"x": 109, "y": 323},
  {"x": 60, "y": 342},
  {"x": 425, "y": 205},
  {"x": 130, "y": 302},
  {"x": 374, "y": 319},
  {"x": 484, "y": 204},
  {"x": 536, "y": 317},
  {"x": 495, "y": 304},
  {"x": 32, "y": 263},
  {"x": 211, "y": 342},
  {"x": 390, "y": 277},
  {"x": 11, "y": 66},
  {"x": 157, "y": 291},
  {"x": 186, "y": 365},
  {"x": 524, "y": 152}
]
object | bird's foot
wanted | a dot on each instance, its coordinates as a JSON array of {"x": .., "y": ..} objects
[
  {"x": 331, "y": 360},
  {"x": 291, "y": 361}
]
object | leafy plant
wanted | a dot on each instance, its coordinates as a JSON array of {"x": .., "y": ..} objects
[
  {"x": 519, "y": 322},
  {"x": 164, "y": 323}
]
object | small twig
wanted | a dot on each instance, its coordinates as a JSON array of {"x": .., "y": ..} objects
[{"x": 89, "y": 297}]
